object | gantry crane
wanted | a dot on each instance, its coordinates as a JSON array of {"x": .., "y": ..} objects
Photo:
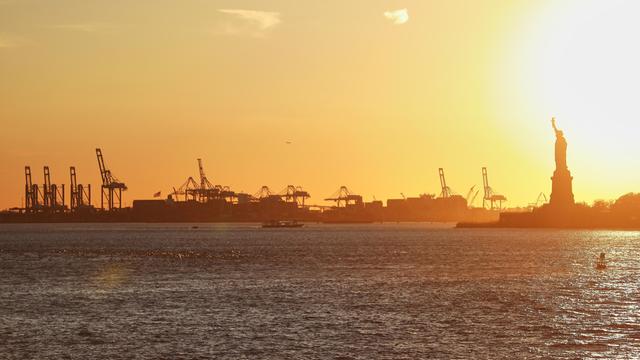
[
  {"x": 80, "y": 195},
  {"x": 491, "y": 199},
  {"x": 112, "y": 188},
  {"x": 188, "y": 190},
  {"x": 263, "y": 193},
  {"x": 540, "y": 200},
  {"x": 469, "y": 193},
  {"x": 294, "y": 194},
  {"x": 344, "y": 197},
  {"x": 208, "y": 191},
  {"x": 46, "y": 188},
  {"x": 203, "y": 191},
  {"x": 33, "y": 197},
  {"x": 445, "y": 190},
  {"x": 471, "y": 196},
  {"x": 29, "y": 195},
  {"x": 204, "y": 182},
  {"x": 53, "y": 194}
]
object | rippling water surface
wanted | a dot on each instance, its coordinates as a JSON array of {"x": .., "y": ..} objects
[{"x": 320, "y": 292}]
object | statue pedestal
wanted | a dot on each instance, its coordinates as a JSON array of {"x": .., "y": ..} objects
[{"x": 561, "y": 189}]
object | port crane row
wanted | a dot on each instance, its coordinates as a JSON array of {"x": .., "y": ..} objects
[{"x": 51, "y": 197}]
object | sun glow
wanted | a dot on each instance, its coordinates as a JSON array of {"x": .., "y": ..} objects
[{"x": 579, "y": 61}]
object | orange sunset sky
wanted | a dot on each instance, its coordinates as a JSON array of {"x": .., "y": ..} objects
[{"x": 370, "y": 95}]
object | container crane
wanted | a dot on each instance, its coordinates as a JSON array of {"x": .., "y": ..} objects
[
  {"x": 80, "y": 195},
  {"x": 32, "y": 193},
  {"x": 112, "y": 188},
  {"x": 491, "y": 199},
  {"x": 344, "y": 197},
  {"x": 263, "y": 193},
  {"x": 204, "y": 182},
  {"x": 46, "y": 188},
  {"x": 189, "y": 190},
  {"x": 540, "y": 200},
  {"x": 469, "y": 193},
  {"x": 471, "y": 196},
  {"x": 294, "y": 194},
  {"x": 208, "y": 191},
  {"x": 53, "y": 195},
  {"x": 202, "y": 191},
  {"x": 445, "y": 190}
]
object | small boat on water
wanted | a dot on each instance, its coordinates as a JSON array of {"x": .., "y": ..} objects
[
  {"x": 601, "y": 264},
  {"x": 282, "y": 224}
]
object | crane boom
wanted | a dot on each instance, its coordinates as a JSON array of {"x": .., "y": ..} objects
[
  {"x": 473, "y": 199},
  {"x": 490, "y": 197},
  {"x": 27, "y": 175},
  {"x": 112, "y": 188},
  {"x": 74, "y": 188},
  {"x": 30, "y": 197},
  {"x": 205, "y": 184},
  {"x": 485, "y": 183},
  {"x": 203, "y": 177},
  {"x": 469, "y": 193},
  {"x": 47, "y": 178},
  {"x": 72, "y": 173},
  {"x": 47, "y": 187},
  {"x": 103, "y": 170},
  {"x": 446, "y": 191}
]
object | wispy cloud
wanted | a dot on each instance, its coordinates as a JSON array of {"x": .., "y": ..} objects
[
  {"x": 399, "y": 17},
  {"x": 250, "y": 22},
  {"x": 8, "y": 41},
  {"x": 88, "y": 27},
  {"x": 4, "y": 43}
]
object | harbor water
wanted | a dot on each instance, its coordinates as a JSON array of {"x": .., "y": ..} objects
[{"x": 384, "y": 291}]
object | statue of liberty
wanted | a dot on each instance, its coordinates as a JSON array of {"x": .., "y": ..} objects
[
  {"x": 561, "y": 185},
  {"x": 561, "y": 147}
]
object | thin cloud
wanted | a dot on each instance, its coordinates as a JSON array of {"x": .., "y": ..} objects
[
  {"x": 251, "y": 22},
  {"x": 7, "y": 41},
  {"x": 398, "y": 17},
  {"x": 88, "y": 27}
]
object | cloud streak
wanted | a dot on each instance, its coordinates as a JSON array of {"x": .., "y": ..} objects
[
  {"x": 398, "y": 17},
  {"x": 251, "y": 22},
  {"x": 88, "y": 27},
  {"x": 7, "y": 41}
]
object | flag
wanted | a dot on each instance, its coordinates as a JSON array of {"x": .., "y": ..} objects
[{"x": 157, "y": 194}]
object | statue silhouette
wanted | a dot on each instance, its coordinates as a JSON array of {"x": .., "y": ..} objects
[
  {"x": 561, "y": 147},
  {"x": 561, "y": 185}
]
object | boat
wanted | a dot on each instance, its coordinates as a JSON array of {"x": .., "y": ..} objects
[
  {"x": 282, "y": 224},
  {"x": 601, "y": 263}
]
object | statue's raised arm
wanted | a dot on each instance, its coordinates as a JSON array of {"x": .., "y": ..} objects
[{"x": 553, "y": 123}]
